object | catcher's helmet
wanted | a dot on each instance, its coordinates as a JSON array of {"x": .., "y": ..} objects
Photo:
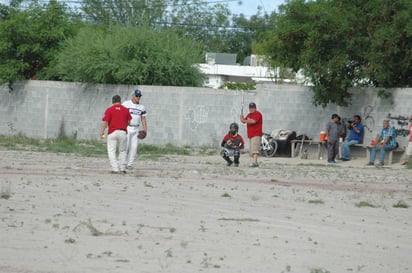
[{"x": 234, "y": 128}]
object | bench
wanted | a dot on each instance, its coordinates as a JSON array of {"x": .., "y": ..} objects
[
  {"x": 389, "y": 153},
  {"x": 309, "y": 142}
]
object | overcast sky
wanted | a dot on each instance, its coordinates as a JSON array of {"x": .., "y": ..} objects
[{"x": 250, "y": 7}]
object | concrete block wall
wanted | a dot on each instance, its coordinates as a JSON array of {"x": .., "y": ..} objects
[{"x": 183, "y": 115}]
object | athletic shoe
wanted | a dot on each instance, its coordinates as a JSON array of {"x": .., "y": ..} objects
[
  {"x": 129, "y": 167},
  {"x": 253, "y": 165},
  {"x": 370, "y": 164},
  {"x": 344, "y": 159},
  {"x": 229, "y": 164},
  {"x": 331, "y": 161},
  {"x": 236, "y": 165},
  {"x": 380, "y": 165}
]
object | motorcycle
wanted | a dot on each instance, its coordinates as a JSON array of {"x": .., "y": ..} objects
[{"x": 268, "y": 145}]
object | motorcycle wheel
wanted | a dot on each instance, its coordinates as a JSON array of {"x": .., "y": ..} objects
[{"x": 272, "y": 151}]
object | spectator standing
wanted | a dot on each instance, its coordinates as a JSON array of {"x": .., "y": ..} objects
[
  {"x": 356, "y": 132},
  {"x": 408, "y": 152},
  {"x": 138, "y": 113},
  {"x": 254, "y": 124},
  {"x": 116, "y": 118},
  {"x": 385, "y": 141},
  {"x": 332, "y": 135},
  {"x": 341, "y": 130}
]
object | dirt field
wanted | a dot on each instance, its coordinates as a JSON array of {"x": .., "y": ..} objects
[{"x": 63, "y": 213}]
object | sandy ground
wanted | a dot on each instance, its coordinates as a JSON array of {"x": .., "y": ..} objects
[{"x": 193, "y": 214}]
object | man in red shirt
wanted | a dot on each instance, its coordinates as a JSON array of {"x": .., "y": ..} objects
[
  {"x": 253, "y": 121},
  {"x": 116, "y": 118}
]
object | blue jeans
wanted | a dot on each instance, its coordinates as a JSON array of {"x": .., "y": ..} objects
[
  {"x": 345, "y": 149},
  {"x": 382, "y": 153}
]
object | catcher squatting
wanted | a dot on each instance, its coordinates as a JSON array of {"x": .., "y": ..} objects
[{"x": 232, "y": 143}]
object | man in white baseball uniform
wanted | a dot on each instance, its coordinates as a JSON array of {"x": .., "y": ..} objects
[{"x": 138, "y": 113}]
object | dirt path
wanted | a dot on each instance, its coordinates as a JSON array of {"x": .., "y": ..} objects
[{"x": 193, "y": 214}]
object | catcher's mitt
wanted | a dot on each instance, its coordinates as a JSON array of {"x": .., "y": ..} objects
[{"x": 141, "y": 134}]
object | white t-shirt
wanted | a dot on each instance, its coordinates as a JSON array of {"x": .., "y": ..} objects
[{"x": 137, "y": 111}]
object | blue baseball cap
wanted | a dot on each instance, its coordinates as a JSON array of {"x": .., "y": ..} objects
[{"x": 137, "y": 93}]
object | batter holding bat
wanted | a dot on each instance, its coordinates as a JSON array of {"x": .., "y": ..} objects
[
  {"x": 253, "y": 121},
  {"x": 137, "y": 128}
]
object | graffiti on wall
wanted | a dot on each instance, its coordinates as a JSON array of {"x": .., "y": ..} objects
[
  {"x": 400, "y": 123},
  {"x": 235, "y": 113},
  {"x": 196, "y": 116},
  {"x": 367, "y": 119}
]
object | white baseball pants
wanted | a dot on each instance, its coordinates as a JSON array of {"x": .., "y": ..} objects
[
  {"x": 132, "y": 143},
  {"x": 117, "y": 139}
]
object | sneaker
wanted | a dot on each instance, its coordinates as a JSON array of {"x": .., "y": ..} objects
[
  {"x": 331, "y": 161},
  {"x": 253, "y": 165},
  {"x": 236, "y": 165},
  {"x": 380, "y": 165},
  {"x": 229, "y": 164},
  {"x": 129, "y": 167},
  {"x": 370, "y": 164},
  {"x": 344, "y": 159}
]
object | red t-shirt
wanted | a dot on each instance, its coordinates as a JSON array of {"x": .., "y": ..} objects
[
  {"x": 254, "y": 130},
  {"x": 410, "y": 132},
  {"x": 117, "y": 116},
  {"x": 233, "y": 141}
]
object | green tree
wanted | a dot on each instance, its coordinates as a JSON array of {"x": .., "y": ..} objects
[
  {"x": 247, "y": 33},
  {"x": 343, "y": 43},
  {"x": 129, "y": 12},
  {"x": 197, "y": 19},
  {"x": 30, "y": 38},
  {"x": 130, "y": 55},
  {"x": 206, "y": 24},
  {"x": 211, "y": 24}
]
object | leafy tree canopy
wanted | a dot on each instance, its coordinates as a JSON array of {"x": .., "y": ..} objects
[
  {"x": 343, "y": 43},
  {"x": 30, "y": 37},
  {"x": 130, "y": 55},
  {"x": 209, "y": 23},
  {"x": 127, "y": 12}
]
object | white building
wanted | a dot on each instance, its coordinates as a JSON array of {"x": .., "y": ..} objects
[
  {"x": 222, "y": 68},
  {"x": 219, "y": 74}
]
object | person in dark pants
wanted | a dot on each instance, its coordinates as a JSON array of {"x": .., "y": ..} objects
[
  {"x": 232, "y": 143},
  {"x": 332, "y": 135}
]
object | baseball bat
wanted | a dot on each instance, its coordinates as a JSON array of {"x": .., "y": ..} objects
[{"x": 243, "y": 102}]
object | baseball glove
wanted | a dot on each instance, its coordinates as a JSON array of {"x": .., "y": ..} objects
[{"x": 142, "y": 134}]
